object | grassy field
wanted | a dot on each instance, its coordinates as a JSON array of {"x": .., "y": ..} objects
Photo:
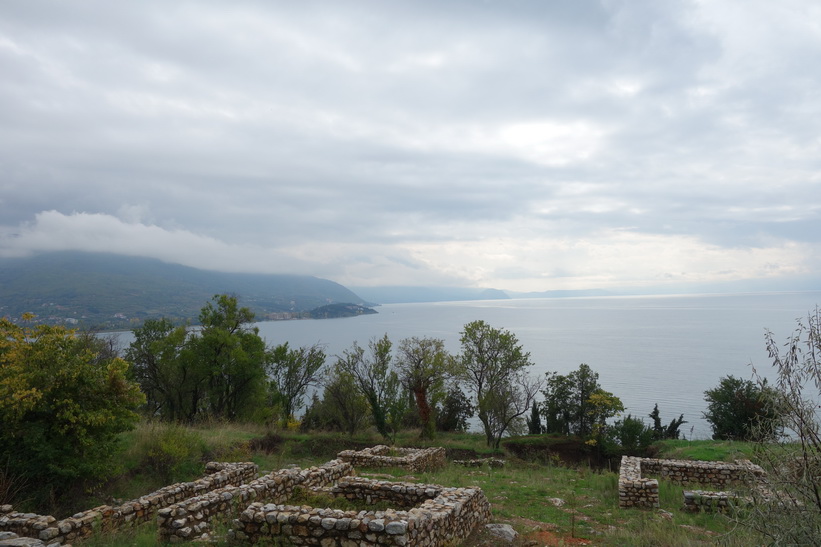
[{"x": 546, "y": 502}]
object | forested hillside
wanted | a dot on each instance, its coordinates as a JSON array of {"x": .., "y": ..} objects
[{"x": 114, "y": 291}]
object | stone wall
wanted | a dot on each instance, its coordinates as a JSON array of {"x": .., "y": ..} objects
[
  {"x": 191, "y": 519},
  {"x": 436, "y": 516},
  {"x": 636, "y": 490},
  {"x": 710, "y": 502},
  {"x": 412, "y": 459},
  {"x": 719, "y": 474},
  {"x": 370, "y": 491},
  {"x": 106, "y": 517}
]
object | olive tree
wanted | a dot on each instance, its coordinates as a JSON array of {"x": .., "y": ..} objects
[{"x": 787, "y": 500}]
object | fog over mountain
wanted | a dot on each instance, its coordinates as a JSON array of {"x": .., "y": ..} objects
[{"x": 103, "y": 290}]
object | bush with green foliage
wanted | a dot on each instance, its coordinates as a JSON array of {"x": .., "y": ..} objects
[
  {"x": 64, "y": 399},
  {"x": 629, "y": 436},
  {"x": 742, "y": 410},
  {"x": 169, "y": 451}
]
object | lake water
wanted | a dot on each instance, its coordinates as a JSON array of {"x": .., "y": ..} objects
[
  {"x": 646, "y": 349},
  {"x": 649, "y": 349}
]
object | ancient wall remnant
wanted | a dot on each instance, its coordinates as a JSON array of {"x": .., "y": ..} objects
[
  {"x": 637, "y": 490},
  {"x": 412, "y": 459},
  {"x": 191, "y": 518},
  {"x": 106, "y": 517},
  {"x": 429, "y": 515},
  {"x": 710, "y": 502},
  {"x": 700, "y": 472}
]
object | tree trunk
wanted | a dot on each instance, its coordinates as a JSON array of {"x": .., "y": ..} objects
[{"x": 425, "y": 414}]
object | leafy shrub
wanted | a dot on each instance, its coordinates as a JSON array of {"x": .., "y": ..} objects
[
  {"x": 64, "y": 398},
  {"x": 629, "y": 436},
  {"x": 741, "y": 410}
]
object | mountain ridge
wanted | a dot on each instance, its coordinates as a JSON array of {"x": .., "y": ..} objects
[{"x": 106, "y": 290}]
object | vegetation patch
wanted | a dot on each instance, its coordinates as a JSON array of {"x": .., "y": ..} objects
[
  {"x": 553, "y": 449},
  {"x": 717, "y": 451}
]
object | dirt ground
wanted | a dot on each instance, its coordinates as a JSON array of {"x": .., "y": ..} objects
[{"x": 541, "y": 536}]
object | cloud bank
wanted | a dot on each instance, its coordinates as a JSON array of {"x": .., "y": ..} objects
[{"x": 524, "y": 146}]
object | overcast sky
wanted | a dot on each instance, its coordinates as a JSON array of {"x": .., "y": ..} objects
[{"x": 520, "y": 145}]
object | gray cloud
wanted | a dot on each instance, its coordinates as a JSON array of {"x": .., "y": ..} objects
[{"x": 522, "y": 145}]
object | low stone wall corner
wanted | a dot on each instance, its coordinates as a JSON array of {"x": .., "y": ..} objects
[{"x": 412, "y": 459}]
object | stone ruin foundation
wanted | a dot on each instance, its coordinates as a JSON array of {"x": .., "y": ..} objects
[
  {"x": 637, "y": 490},
  {"x": 426, "y": 515},
  {"x": 191, "y": 519},
  {"x": 412, "y": 459},
  {"x": 106, "y": 517}
]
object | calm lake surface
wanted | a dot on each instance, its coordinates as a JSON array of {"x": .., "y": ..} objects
[{"x": 646, "y": 349}]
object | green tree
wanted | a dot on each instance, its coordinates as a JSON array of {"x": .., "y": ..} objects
[
  {"x": 455, "y": 411},
  {"x": 215, "y": 371},
  {"x": 741, "y": 410},
  {"x": 291, "y": 373},
  {"x": 629, "y": 436},
  {"x": 169, "y": 382},
  {"x": 494, "y": 368},
  {"x": 534, "y": 422},
  {"x": 671, "y": 431},
  {"x": 601, "y": 406},
  {"x": 342, "y": 407},
  {"x": 558, "y": 407},
  {"x": 63, "y": 401},
  {"x": 567, "y": 406},
  {"x": 424, "y": 366},
  {"x": 377, "y": 382},
  {"x": 233, "y": 357}
]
